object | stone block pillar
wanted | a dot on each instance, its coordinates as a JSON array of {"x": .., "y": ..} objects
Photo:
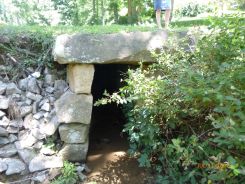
[{"x": 74, "y": 110}]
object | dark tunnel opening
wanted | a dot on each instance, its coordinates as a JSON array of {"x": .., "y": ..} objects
[
  {"x": 107, "y": 120},
  {"x": 105, "y": 137}
]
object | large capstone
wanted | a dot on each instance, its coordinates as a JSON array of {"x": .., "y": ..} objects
[{"x": 128, "y": 48}]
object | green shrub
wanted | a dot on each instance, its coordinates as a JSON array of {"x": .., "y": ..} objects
[
  {"x": 192, "y": 10},
  {"x": 185, "y": 113},
  {"x": 68, "y": 176}
]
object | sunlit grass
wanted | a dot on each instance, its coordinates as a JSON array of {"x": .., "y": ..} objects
[{"x": 176, "y": 25}]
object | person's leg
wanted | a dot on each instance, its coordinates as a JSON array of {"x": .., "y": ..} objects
[
  {"x": 167, "y": 17},
  {"x": 158, "y": 18}
]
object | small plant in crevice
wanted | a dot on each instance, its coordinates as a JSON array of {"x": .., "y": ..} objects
[{"x": 68, "y": 174}]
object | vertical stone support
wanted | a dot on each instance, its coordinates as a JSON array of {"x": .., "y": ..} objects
[
  {"x": 80, "y": 77},
  {"x": 74, "y": 110}
]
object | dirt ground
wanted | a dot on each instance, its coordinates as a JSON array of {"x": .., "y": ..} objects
[{"x": 108, "y": 158}]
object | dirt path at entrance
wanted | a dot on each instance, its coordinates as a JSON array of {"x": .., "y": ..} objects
[{"x": 108, "y": 158}]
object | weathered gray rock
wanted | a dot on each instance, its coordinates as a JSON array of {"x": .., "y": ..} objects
[
  {"x": 23, "y": 84},
  {"x": 12, "y": 138},
  {"x": 4, "y": 122},
  {"x": 108, "y": 48},
  {"x": 80, "y": 77},
  {"x": 41, "y": 176},
  {"x": 4, "y": 102},
  {"x": 28, "y": 101},
  {"x": 73, "y": 133},
  {"x": 38, "y": 133},
  {"x": 3, "y": 132},
  {"x": 32, "y": 86},
  {"x": 47, "y": 151},
  {"x": 42, "y": 162},
  {"x": 35, "y": 106},
  {"x": 15, "y": 166},
  {"x": 24, "y": 110},
  {"x": 49, "y": 89},
  {"x": 49, "y": 79},
  {"x": 27, "y": 154},
  {"x": 74, "y": 152},
  {"x": 12, "y": 89},
  {"x": 8, "y": 151},
  {"x": 3, "y": 87},
  {"x": 3, "y": 165},
  {"x": 26, "y": 140},
  {"x": 2, "y": 114},
  {"x": 73, "y": 108},
  {"x": 16, "y": 123},
  {"x": 12, "y": 130},
  {"x": 51, "y": 125},
  {"x": 32, "y": 96},
  {"x": 60, "y": 87},
  {"x": 46, "y": 107},
  {"x": 38, "y": 115},
  {"x": 4, "y": 140}
]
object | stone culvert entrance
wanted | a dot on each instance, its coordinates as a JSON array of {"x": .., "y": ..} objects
[{"x": 94, "y": 64}]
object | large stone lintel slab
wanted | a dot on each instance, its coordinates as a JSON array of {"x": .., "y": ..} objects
[
  {"x": 74, "y": 108},
  {"x": 80, "y": 77},
  {"x": 129, "y": 48}
]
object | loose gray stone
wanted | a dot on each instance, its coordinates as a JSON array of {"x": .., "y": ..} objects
[
  {"x": 23, "y": 84},
  {"x": 28, "y": 101},
  {"x": 4, "y": 102},
  {"x": 3, "y": 165},
  {"x": 38, "y": 115},
  {"x": 24, "y": 110},
  {"x": 12, "y": 138},
  {"x": 16, "y": 123},
  {"x": 12, "y": 130},
  {"x": 35, "y": 75},
  {"x": 74, "y": 152},
  {"x": 4, "y": 140},
  {"x": 32, "y": 96},
  {"x": 73, "y": 108},
  {"x": 60, "y": 85},
  {"x": 8, "y": 150},
  {"x": 50, "y": 127},
  {"x": 37, "y": 133},
  {"x": 73, "y": 133},
  {"x": 35, "y": 107},
  {"x": 16, "y": 97},
  {"x": 3, "y": 132},
  {"x": 46, "y": 107},
  {"x": 15, "y": 166},
  {"x": 27, "y": 154},
  {"x": 42, "y": 162},
  {"x": 12, "y": 89},
  {"x": 47, "y": 151},
  {"x": 49, "y": 79},
  {"x": 3, "y": 87},
  {"x": 26, "y": 140},
  {"x": 41, "y": 176},
  {"x": 4, "y": 122},
  {"x": 81, "y": 176},
  {"x": 32, "y": 86},
  {"x": 49, "y": 89}
]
